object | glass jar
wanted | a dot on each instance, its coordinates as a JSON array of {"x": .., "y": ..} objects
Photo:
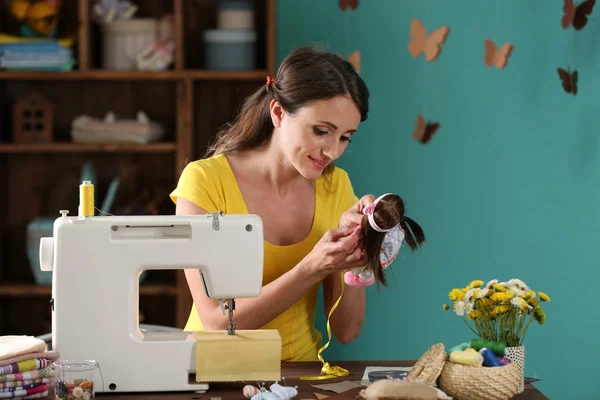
[{"x": 75, "y": 379}]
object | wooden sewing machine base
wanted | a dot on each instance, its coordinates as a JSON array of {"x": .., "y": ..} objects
[{"x": 248, "y": 355}]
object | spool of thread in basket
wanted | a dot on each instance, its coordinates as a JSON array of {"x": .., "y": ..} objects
[
  {"x": 471, "y": 358},
  {"x": 489, "y": 358},
  {"x": 460, "y": 347},
  {"x": 498, "y": 348}
]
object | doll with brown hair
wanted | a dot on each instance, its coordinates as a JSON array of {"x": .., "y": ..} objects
[{"x": 384, "y": 228}]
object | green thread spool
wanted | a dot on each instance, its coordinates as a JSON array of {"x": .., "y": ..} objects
[
  {"x": 497, "y": 347},
  {"x": 460, "y": 347}
]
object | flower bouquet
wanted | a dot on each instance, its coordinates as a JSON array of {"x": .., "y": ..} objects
[{"x": 500, "y": 312}]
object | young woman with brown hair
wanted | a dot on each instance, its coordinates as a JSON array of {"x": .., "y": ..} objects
[{"x": 276, "y": 160}]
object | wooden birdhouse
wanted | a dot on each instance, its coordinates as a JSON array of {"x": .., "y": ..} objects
[{"x": 33, "y": 119}]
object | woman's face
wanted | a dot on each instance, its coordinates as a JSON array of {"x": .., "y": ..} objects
[{"x": 317, "y": 134}]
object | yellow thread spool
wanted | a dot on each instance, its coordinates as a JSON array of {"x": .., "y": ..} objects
[
  {"x": 474, "y": 359},
  {"x": 472, "y": 350},
  {"x": 86, "y": 199}
]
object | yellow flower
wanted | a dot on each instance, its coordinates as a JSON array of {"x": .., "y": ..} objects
[
  {"x": 446, "y": 307},
  {"x": 501, "y": 309},
  {"x": 539, "y": 315},
  {"x": 499, "y": 297},
  {"x": 456, "y": 294},
  {"x": 499, "y": 287},
  {"x": 529, "y": 294},
  {"x": 509, "y": 294},
  {"x": 475, "y": 293},
  {"x": 475, "y": 284},
  {"x": 544, "y": 296},
  {"x": 532, "y": 302},
  {"x": 486, "y": 302}
]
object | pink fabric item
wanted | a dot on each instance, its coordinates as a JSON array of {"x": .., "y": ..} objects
[
  {"x": 49, "y": 355},
  {"x": 354, "y": 280}
]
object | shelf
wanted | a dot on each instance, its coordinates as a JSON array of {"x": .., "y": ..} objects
[
  {"x": 67, "y": 147},
  {"x": 105, "y": 75},
  {"x": 32, "y": 290}
]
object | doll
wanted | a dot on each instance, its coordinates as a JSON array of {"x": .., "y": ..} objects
[{"x": 384, "y": 228}]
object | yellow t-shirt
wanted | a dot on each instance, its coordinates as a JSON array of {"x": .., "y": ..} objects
[{"x": 210, "y": 184}]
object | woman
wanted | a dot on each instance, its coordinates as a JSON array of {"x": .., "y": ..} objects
[{"x": 276, "y": 161}]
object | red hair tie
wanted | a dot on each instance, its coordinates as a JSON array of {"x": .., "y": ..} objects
[{"x": 270, "y": 80}]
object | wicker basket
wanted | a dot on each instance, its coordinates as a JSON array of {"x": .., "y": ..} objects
[{"x": 464, "y": 382}]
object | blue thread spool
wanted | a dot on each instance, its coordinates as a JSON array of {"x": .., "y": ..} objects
[{"x": 489, "y": 358}]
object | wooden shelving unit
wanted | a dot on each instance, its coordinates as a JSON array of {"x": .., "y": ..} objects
[{"x": 39, "y": 179}]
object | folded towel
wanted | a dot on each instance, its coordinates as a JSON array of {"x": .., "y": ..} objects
[
  {"x": 23, "y": 366},
  {"x": 48, "y": 355},
  {"x": 47, "y": 372},
  {"x": 25, "y": 392},
  {"x": 22, "y": 383},
  {"x": 12, "y": 345}
]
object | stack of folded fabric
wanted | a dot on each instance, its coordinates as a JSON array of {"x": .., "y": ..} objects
[{"x": 25, "y": 367}]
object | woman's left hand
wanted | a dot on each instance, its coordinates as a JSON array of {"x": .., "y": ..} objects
[{"x": 353, "y": 216}]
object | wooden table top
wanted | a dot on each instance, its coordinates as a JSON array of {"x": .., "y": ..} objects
[{"x": 292, "y": 372}]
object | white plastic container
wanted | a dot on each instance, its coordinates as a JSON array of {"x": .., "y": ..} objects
[
  {"x": 122, "y": 40},
  {"x": 235, "y": 15},
  {"x": 230, "y": 49}
]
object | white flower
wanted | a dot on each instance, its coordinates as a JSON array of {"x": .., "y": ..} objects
[
  {"x": 459, "y": 307},
  {"x": 468, "y": 307},
  {"x": 519, "y": 284},
  {"x": 491, "y": 283},
  {"x": 519, "y": 302},
  {"x": 468, "y": 295},
  {"x": 482, "y": 293}
]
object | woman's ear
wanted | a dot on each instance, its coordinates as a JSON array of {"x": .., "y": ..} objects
[{"x": 276, "y": 113}]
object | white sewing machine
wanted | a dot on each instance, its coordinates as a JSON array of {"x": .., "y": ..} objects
[{"x": 96, "y": 264}]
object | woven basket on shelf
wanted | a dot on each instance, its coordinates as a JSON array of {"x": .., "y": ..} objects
[{"x": 464, "y": 382}]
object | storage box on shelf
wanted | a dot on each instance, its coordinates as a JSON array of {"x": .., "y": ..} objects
[{"x": 189, "y": 99}]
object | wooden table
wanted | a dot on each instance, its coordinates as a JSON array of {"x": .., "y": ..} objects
[{"x": 292, "y": 372}]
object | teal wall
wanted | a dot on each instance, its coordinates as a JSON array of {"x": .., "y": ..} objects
[{"x": 508, "y": 188}]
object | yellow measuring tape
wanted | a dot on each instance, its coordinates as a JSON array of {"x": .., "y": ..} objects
[{"x": 327, "y": 371}]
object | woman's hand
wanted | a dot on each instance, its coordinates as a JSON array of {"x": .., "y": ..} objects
[
  {"x": 339, "y": 249},
  {"x": 353, "y": 217}
]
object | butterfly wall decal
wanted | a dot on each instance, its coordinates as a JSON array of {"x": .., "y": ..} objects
[
  {"x": 345, "y": 4},
  {"x": 424, "y": 131},
  {"x": 569, "y": 80},
  {"x": 577, "y": 16},
  {"x": 430, "y": 45},
  {"x": 496, "y": 56}
]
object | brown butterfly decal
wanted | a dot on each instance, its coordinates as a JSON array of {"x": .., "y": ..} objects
[
  {"x": 345, "y": 4},
  {"x": 424, "y": 131},
  {"x": 496, "y": 56},
  {"x": 576, "y": 15},
  {"x": 569, "y": 80},
  {"x": 430, "y": 45}
]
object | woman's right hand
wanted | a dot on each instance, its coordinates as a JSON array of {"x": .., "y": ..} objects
[{"x": 339, "y": 249}]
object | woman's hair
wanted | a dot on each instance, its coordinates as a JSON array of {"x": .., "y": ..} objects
[
  {"x": 388, "y": 213},
  {"x": 306, "y": 75}
]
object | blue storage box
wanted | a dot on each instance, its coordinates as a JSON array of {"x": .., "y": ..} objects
[{"x": 230, "y": 49}]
